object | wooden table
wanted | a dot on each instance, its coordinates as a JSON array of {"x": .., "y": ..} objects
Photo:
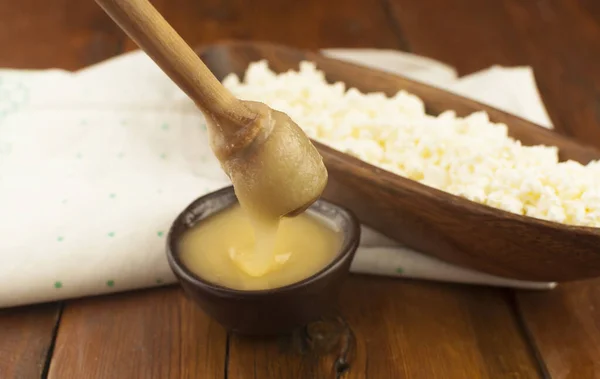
[{"x": 402, "y": 328}]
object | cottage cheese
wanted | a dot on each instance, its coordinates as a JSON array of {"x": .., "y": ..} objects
[{"x": 470, "y": 157}]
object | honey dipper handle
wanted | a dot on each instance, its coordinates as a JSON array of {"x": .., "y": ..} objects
[{"x": 142, "y": 22}]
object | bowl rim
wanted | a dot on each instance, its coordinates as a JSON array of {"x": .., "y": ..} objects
[{"x": 351, "y": 239}]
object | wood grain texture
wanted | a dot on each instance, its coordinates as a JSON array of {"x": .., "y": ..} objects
[
  {"x": 468, "y": 34},
  {"x": 68, "y": 34},
  {"x": 306, "y": 24},
  {"x": 449, "y": 227},
  {"x": 422, "y": 331},
  {"x": 26, "y": 336},
  {"x": 565, "y": 324},
  {"x": 560, "y": 40},
  {"x": 149, "y": 334}
]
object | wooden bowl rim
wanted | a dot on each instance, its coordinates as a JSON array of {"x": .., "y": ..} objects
[{"x": 397, "y": 180}]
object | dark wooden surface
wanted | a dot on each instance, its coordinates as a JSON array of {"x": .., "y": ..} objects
[
  {"x": 26, "y": 336},
  {"x": 399, "y": 335},
  {"x": 145, "y": 334},
  {"x": 402, "y": 329}
]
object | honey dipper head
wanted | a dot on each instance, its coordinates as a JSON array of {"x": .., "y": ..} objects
[{"x": 275, "y": 169}]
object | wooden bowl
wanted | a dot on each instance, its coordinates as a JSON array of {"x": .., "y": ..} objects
[
  {"x": 270, "y": 311},
  {"x": 437, "y": 223}
]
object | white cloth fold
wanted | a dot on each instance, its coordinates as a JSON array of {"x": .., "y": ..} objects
[{"x": 96, "y": 164}]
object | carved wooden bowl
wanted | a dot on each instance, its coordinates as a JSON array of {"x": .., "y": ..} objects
[{"x": 437, "y": 223}]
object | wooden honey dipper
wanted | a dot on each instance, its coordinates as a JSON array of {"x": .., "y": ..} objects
[{"x": 275, "y": 169}]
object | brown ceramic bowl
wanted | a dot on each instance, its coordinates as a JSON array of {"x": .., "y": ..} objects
[{"x": 267, "y": 311}]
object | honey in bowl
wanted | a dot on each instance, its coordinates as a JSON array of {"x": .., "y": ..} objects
[
  {"x": 223, "y": 249},
  {"x": 308, "y": 296}
]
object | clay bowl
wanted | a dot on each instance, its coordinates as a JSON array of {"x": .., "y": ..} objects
[
  {"x": 271, "y": 311},
  {"x": 431, "y": 221}
]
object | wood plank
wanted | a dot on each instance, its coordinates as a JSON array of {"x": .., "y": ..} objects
[
  {"x": 468, "y": 34},
  {"x": 67, "y": 34},
  {"x": 562, "y": 38},
  {"x": 559, "y": 39},
  {"x": 565, "y": 324},
  {"x": 306, "y": 24},
  {"x": 146, "y": 334},
  {"x": 26, "y": 336},
  {"x": 402, "y": 329}
]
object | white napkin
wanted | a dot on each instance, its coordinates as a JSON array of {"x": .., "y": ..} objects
[
  {"x": 96, "y": 164},
  {"x": 511, "y": 89}
]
